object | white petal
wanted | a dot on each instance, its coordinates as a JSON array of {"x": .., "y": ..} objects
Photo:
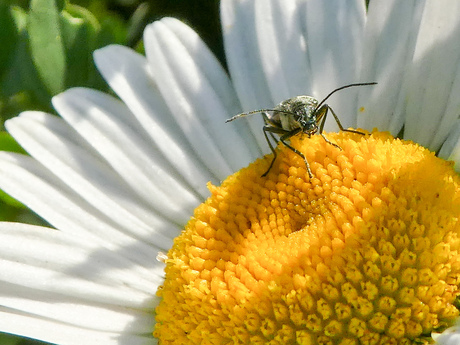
[
  {"x": 434, "y": 81},
  {"x": 75, "y": 311},
  {"x": 65, "y": 334},
  {"x": 47, "y": 274},
  {"x": 333, "y": 33},
  {"x": 200, "y": 59},
  {"x": 304, "y": 48},
  {"x": 196, "y": 75},
  {"x": 54, "y": 261},
  {"x": 451, "y": 113},
  {"x": 450, "y": 149},
  {"x": 191, "y": 98},
  {"x": 26, "y": 180},
  {"x": 102, "y": 121},
  {"x": 52, "y": 142},
  {"x": 390, "y": 37},
  {"x": 282, "y": 48},
  {"x": 449, "y": 337},
  {"x": 129, "y": 75},
  {"x": 243, "y": 59}
]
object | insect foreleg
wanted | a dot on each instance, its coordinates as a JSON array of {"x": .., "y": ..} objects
[
  {"x": 269, "y": 124},
  {"x": 330, "y": 142},
  {"x": 340, "y": 125},
  {"x": 283, "y": 139},
  {"x": 323, "y": 110},
  {"x": 266, "y": 129},
  {"x": 271, "y": 130}
]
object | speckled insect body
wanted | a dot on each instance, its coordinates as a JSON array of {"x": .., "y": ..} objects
[
  {"x": 300, "y": 114},
  {"x": 294, "y": 113}
]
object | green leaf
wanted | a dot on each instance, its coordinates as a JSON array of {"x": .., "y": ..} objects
[
  {"x": 10, "y": 207},
  {"x": 7, "y": 143},
  {"x": 113, "y": 30},
  {"x": 8, "y": 339},
  {"x": 22, "y": 77},
  {"x": 83, "y": 34},
  {"x": 20, "y": 18},
  {"x": 47, "y": 47},
  {"x": 8, "y": 36},
  {"x": 79, "y": 31}
]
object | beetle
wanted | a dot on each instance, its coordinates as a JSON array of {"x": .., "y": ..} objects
[{"x": 300, "y": 114}]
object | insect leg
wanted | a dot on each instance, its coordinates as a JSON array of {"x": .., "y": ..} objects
[
  {"x": 340, "y": 125},
  {"x": 286, "y": 136},
  {"x": 330, "y": 142},
  {"x": 269, "y": 124},
  {"x": 269, "y": 129},
  {"x": 323, "y": 121}
]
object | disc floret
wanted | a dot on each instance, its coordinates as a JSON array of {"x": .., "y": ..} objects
[{"x": 365, "y": 252}]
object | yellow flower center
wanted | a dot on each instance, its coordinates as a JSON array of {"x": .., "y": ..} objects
[{"x": 366, "y": 252}]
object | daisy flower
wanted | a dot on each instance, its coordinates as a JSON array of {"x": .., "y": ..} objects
[{"x": 364, "y": 252}]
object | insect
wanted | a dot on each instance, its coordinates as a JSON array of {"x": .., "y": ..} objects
[{"x": 301, "y": 114}]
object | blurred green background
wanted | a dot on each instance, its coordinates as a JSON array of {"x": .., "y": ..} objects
[{"x": 46, "y": 47}]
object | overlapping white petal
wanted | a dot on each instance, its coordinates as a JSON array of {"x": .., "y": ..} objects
[
  {"x": 449, "y": 337},
  {"x": 49, "y": 140},
  {"x": 243, "y": 59},
  {"x": 434, "y": 80},
  {"x": 103, "y": 122},
  {"x": 334, "y": 48},
  {"x": 64, "y": 333},
  {"x": 15, "y": 322},
  {"x": 389, "y": 43},
  {"x": 304, "y": 48},
  {"x": 53, "y": 278},
  {"x": 119, "y": 179},
  {"x": 282, "y": 47},
  {"x": 199, "y": 96},
  {"x": 130, "y": 77},
  {"x": 450, "y": 150},
  {"x": 411, "y": 49}
]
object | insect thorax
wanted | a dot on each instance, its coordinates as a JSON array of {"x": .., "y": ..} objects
[{"x": 295, "y": 111}]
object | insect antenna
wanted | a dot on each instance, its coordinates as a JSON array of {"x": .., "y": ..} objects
[
  {"x": 341, "y": 88},
  {"x": 256, "y": 112},
  {"x": 248, "y": 113}
]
